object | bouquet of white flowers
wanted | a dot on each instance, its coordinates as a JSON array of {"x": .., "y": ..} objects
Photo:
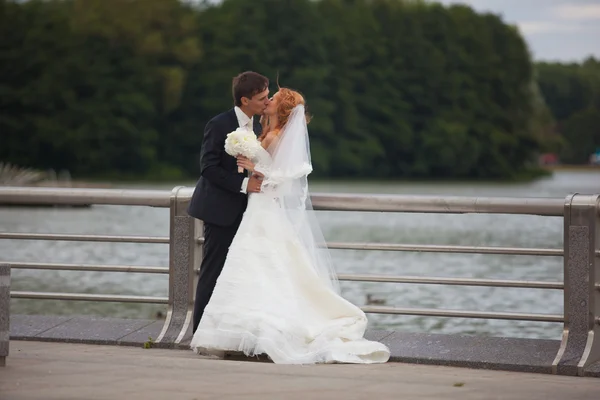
[{"x": 241, "y": 143}]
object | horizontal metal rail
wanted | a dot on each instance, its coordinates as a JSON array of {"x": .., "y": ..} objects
[
  {"x": 89, "y": 297},
  {"x": 80, "y": 196},
  {"x": 440, "y": 204},
  {"x": 430, "y": 312},
  {"x": 428, "y": 248},
  {"x": 425, "y": 248},
  {"x": 432, "y": 248},
  {"x": 334, "y": 202},
  {"x": 452, "y": 281},
  {"x": 342, "y": 277},
  {"x": 88, "y": 267},
  {"x": 84, "y": 238},
  {"x": 366, "y": 309}
]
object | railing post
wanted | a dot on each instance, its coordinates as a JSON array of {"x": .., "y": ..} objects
[
  {"x": 580, "y": 344},
  {"x": 184, "y": 255},
  {"x": 4, "y": 312}
]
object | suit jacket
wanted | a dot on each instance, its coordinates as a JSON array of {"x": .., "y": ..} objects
[{"x": 217, "y": 198}]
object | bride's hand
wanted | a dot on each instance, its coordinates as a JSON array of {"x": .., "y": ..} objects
[{"x": 245, "y": 163}]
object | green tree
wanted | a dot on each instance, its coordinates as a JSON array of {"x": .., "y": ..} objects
[
  {"x": 572, "y": 92},
  {"x": 397, "y": 89}
]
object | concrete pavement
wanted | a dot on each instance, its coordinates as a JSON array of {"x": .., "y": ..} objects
[{"x": 49, "y": 371}]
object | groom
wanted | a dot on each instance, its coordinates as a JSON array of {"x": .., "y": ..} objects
[{"x": 220, "y": 197}]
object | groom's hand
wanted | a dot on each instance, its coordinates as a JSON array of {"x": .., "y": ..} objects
[{"x": 254, "y": 183}]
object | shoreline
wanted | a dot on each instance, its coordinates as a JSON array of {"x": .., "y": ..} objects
[
  {"x": 100, "y": 183},
  {"x": 567, "y": 167}
]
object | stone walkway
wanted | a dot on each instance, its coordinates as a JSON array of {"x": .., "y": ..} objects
[
  {"x": 477, "y": 352},
  {"x": 53, "y": 371}
]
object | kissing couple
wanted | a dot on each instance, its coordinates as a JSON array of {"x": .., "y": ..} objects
[{"x": 266, "y": 284}]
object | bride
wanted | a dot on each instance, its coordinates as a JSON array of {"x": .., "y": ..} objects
[{"x": 278, "y": 294}]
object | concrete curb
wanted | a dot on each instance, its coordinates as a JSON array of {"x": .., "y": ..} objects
[{"x": 494, "y": 353}]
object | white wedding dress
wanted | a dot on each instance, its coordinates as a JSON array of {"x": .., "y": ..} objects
[{"x": 269, "y": 299}]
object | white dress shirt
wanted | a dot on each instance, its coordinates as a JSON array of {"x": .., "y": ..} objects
[{"x": 246, "y": 122}]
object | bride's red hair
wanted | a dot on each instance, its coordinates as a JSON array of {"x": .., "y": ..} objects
[{"x": 287, "y": 99}]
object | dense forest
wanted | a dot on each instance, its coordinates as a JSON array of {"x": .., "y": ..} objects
[
  {"x": 397, "y": 89},
  {"x": 572, "y": 93}
]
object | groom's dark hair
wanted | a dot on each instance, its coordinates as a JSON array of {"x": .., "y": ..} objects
[{"x": 247, "y": 84}]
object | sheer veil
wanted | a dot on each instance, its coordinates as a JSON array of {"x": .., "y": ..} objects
[{"x": 286, "y": 179}]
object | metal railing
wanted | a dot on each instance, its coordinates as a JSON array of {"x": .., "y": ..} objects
[{"x": 580, "y": 345}]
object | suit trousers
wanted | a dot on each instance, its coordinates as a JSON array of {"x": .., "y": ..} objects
[{"x": 217, "y": 240}]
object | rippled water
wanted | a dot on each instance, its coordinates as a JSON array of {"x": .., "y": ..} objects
[{"x": 479, "y": 230}]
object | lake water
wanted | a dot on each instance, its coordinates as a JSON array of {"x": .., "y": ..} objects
[{"x": 468, "y": 230}]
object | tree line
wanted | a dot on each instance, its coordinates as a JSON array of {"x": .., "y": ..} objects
[
  {"x": 397, "y": 89},
  {"x": 572, "y": 93}
]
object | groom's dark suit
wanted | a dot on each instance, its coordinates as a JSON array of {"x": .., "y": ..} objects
[{"x": 219, "y": 202}]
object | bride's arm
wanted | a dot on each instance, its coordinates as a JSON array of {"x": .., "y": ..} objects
[
  {"x": 269, "y": 142},
  {"x": 249, "y": 165}
]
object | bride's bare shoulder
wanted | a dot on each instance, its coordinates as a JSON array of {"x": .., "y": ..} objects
[{"x": 269, "y": 138}]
